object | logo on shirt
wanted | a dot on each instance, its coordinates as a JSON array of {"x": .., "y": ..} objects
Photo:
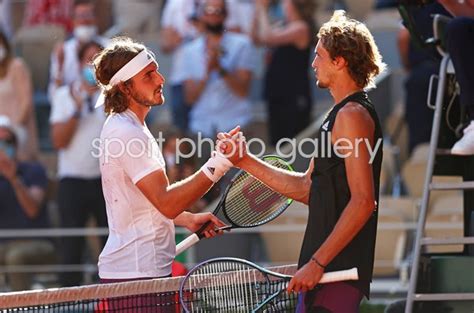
[{"x": 325, "y": 126}]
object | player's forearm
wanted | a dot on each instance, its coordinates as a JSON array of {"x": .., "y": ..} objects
[
  {"x": 183, "y": 194},
  {"x": 183, "y": 219},
  {"x": 290, "y": 184},
  {"x": 353, "y": 218}
]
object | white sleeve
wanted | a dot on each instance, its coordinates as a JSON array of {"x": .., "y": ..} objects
[{"x": 137, "y": 154}]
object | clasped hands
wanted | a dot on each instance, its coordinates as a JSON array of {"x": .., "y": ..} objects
[{"x": 232, "y": 145}]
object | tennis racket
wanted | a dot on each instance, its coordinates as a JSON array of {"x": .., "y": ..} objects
[
  {"x": 236, "y": 285},
  {"x": 247, "y": 202}
]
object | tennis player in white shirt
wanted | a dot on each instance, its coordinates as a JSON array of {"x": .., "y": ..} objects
[{"x": 142, "y": 207}]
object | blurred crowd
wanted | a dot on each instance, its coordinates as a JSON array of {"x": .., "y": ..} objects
[{"x": 216, "y": 48}]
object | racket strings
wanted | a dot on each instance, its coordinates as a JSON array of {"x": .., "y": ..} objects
[
  {"x": 249, "y": 202},
  {"x": 256, "y": 211},
  {"x": 224, "y": 287}
]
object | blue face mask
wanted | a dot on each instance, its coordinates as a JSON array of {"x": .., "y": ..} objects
[
  {"x": 89, "y": 76},
  {"x": 8, "y": 149}
]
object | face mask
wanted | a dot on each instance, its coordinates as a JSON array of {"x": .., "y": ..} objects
[
  {"x": 89, "y": 76},
  {"x": 8, "y": 149},
  {"x": 3, "y": 53},
  {"x": 85, "y": 33},
  {"x": 216, "y": 29}
]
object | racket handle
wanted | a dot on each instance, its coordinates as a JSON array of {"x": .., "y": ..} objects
[
  {"x": 330, "y": 277},
  {"x": 186, "y": 243},
  {"x": 192, "y": 239}
]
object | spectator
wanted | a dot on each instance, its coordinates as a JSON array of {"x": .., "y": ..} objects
[
  {"x": 22, "y": 190},
  {"x": 244, "y": 14},
  {"x": 5, "y": 18},
  {"x": 58, "y": 12},
  {"x": 75, "y": 124},
  {"x": 217, "y": 74},
  {"x": 460, "y": 45},
  {"x": 16, "y": 100},
  {"x": 420, "y": 65},
  {"x": 181, "y": 24},
  {"x": 287, "y": 86},
  {"x": 64, "y": 67},
  {"x": 135, "y": 17}
]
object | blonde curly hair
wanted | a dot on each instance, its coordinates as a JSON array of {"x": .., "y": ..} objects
[{"x": 351, "y": 40}]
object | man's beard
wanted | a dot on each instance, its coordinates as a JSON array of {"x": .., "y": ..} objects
[
  {"x": 145, "y": 102},
  {"x": 215, "y": 29}
]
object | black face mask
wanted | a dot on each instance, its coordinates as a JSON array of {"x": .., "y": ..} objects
[{"x": 215, "y": 29}]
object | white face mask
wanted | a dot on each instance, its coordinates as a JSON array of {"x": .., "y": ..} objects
[
  {"x": 3, "y": 53},
  {"x": 85, "y": 33}
]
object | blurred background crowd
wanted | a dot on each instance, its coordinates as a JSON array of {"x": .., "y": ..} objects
[{"x": 49, "y": 179}]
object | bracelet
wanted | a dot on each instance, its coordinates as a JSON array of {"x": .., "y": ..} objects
[
  {"x": 317, "y": 262},
  {"x": 216, "y": 166}
]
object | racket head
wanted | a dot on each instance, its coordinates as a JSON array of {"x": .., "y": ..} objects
[
  {"x": 248, "y": 202},
  {"x": 229, "y": 285}
]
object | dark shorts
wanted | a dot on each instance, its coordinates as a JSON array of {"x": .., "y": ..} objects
[{"x": 338, "y": 297}]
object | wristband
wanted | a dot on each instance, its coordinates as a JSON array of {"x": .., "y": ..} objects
[
  {"x": 216, "y": 166},
  {"x": 317, "y": 262}
]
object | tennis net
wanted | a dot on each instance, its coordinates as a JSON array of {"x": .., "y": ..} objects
[{"x": 146, "y": 296}]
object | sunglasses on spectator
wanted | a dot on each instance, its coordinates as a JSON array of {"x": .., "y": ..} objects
[{"x": 209, "y": 10}]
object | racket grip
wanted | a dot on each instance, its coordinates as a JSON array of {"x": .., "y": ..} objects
[
  {"x": 186, "y": 243},
  {"x": 351, "y": 274}
]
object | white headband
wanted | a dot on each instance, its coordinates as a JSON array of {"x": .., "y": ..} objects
[{"x": 130, "y": 69}]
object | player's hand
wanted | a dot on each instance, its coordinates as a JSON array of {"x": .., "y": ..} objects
[
  {"x": 232, "y": 145},
  {"x": 306, "y": 278},
  {"x": 197, "y": 220}
]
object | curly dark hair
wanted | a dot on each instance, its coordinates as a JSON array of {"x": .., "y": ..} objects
[
  {"x": 106, "y": 63},
  {"x": 351, "y": 40}
]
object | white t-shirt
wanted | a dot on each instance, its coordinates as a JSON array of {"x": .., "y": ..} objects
[
  {"x": 141, "y": 240},
  {"x": 77, "y": 160}
]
